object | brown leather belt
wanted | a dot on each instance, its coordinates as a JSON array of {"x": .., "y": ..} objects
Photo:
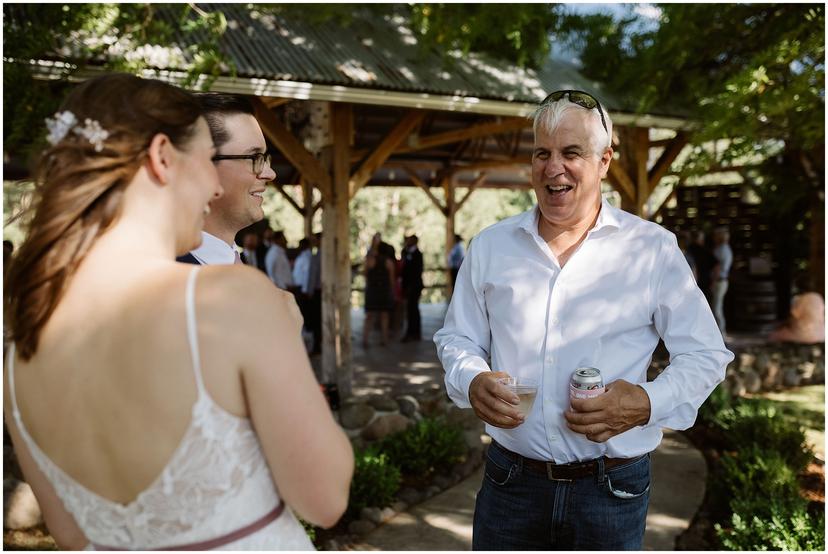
[
  {"x": 223, "y": 540},
  {"x": 563, "y": 472}
]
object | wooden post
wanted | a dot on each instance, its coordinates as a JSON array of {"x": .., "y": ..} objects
[
  {"x": 450, "y": 210},
  {"x": 307, "y": 205},
  {"x": 336, "y": 260}
]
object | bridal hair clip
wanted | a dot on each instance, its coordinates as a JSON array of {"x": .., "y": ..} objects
[{"x": 63, "y": 122}]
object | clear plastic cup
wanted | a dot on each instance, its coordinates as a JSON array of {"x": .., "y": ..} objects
[{"x": 525, "y": 389}]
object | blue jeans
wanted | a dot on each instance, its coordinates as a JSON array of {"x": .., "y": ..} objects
[{"x": 521, "y": 509}]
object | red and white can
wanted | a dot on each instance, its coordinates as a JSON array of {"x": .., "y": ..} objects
[{"x": 586, "y": 382}]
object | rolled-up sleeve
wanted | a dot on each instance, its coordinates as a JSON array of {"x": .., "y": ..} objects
[
  {"x": 464, "y": 341},
  {"x": 698, "y": 357}
]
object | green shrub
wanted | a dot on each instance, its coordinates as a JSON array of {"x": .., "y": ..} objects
[
  {"x": 750, "y": 424},
  {"x": 718, "y": 401},
  {"x": 752, "y": 471},
  {"x": 430, "y": 445},
  {"x": 310, "y": 530},
  {"x": 782, "y": 529},
  {"x": 376, "y": 480}
]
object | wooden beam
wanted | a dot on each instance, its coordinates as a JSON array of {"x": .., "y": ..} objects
[
  {"x": 472, "y": 187},
  {"x": 495, "y": 164},
  {"x": 290, "y": 199},
  {"x": 662, "y": 165},
  {"x": 417, "y": 181},
  {"x": 666, "y": 200},
  {"x": 620, "y": 180},
  {"x": 473, "y": 131},
  {"x": 641, "y": 148},
  {"x": 275, "y": 102},
  {"x": 381, "y": 153},
  {"x": 336, "y": 277},
  {"x": 291, "y": 148},
  {"x": 490, "y": 128}
]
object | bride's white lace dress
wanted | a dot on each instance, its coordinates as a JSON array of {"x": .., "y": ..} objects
[{"x": 216, "y": 483}]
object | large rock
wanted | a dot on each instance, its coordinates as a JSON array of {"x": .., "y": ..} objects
[
  {"x": 21, "y": 510},
  {"x": 735, "y": 385},
  {"x": 753, "y": 383},
  {"x": 772, "y": 376},
  {"x": 385, "y": 425},
  {"x": 806, "y": 370},
  {"x": 383, "y": 403},
  {"x": 410, "y": 496},
  {"x": 747, "y": 360},
  {"x": 361, "y": 527},
  {"x": 408, "y": 405},
  {"x": 372, "y": 514},
  {"x": 356, "y": 415},
  {"x": 472, "y": 439},
  {"x": 442, "y": 481},
  {"x": 792, "y": 378}
]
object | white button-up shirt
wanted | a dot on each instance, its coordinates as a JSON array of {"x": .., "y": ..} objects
[
  {"x": 277, "y": 266},
  {"x": 214, "y": 251},
  {"x": 514, "y": 309}
]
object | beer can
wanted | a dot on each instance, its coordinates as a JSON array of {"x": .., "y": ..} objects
[{"x": 586, "y": 382}]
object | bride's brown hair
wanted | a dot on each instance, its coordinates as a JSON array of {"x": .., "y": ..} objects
[{"x": 78, "y": 189}]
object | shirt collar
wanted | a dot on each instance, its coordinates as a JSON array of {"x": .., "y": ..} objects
[
  {"x": 607, "y": 217},
  {"x": 213, "y": 250}
]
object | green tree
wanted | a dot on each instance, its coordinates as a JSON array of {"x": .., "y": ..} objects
[
  {"x": 752, "y": 74},
  {"x": 119, "y": 37}
]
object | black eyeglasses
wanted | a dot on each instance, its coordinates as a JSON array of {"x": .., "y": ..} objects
[
  {"x": 260, "y": 161},
  {"x": 581, "y": 98}
]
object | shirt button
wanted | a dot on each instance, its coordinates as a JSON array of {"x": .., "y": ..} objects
[
  {"x": 555, "y": 321},
  {"x": 550, "y": 360}
]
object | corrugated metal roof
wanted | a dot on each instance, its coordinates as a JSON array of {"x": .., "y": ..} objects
[{"x": 379, "y": 52}]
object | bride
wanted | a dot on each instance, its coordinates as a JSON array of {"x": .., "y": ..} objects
[{"x": 152, "y": 404}]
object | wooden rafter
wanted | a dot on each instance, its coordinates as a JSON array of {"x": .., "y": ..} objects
[
  {"x": 419, "y": 182},
  {"x": 618, "y": 177},
  {"x": 671, "y": 152},
  {"x": 275, "y": 102},
  {"x": 473, "y": 131},
  {"x": 290, "y": 199},
  {"x": 381, "y": 153},
  {"x": 477, "y": 182},
  {"x": 293, "y": 150}
]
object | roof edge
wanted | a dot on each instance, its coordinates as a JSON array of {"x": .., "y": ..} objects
[{"x": 50, "y": 70}]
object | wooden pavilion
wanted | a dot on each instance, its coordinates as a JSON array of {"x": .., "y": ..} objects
[{"x": 346, "y": 108}]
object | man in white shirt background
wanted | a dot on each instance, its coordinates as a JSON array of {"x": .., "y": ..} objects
[
  {"x": 243, "y": 167},
  {"x": 455, "y": 258},
  {"x": 719, "y": 275},
  {"x": 277, "y": 264},
  {"x": 574, "y": 283}
]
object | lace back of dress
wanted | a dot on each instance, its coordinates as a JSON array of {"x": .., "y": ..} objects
[{"x": 216, "y": 481}]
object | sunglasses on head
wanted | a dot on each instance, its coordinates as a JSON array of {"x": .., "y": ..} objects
[{"x": 580, "y": 98}]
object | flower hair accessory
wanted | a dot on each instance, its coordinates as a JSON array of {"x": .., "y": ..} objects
[{"x": 63, "y": 122}]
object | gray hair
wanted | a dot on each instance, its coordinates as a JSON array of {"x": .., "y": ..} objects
[{"x": 548, "y": 116}]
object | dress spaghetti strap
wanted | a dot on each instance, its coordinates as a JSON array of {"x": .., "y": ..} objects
[{"x": 192, "y": 329}]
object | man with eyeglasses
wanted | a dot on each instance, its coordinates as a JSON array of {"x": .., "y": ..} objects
[
  {"x": 574, "y": 283},
  {"x": 243, "y": 166}
]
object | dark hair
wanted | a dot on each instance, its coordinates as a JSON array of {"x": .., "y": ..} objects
[
  {"x": 215, "y": 106},
  {"x": 304, "y": 244},
  {"x": 78, "y": 189}
]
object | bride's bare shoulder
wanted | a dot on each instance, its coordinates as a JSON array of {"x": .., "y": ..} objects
[{"x": 244, "y": 291}]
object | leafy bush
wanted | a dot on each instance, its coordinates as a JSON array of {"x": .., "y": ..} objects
[
  {"x": 376, "y": 480},
  {"x": 750, "y": 424},
  {"x": 718, "y": 401},
  {"x": 753, "y": 470},
  {"x": 782, "y": 529},
  {"x": 430, "y": 445}
]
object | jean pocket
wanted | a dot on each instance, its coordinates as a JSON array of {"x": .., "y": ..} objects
[
  {"x": 630, "y": 481},
  {"x": 496, "y": 472}
]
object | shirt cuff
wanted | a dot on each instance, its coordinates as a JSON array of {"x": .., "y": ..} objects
[
  {"x": 464, "y": 379},
  {"x": 660, "y": 400}
]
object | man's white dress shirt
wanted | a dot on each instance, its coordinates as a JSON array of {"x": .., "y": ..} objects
[
  {"x": 455, "y": 257},
  {"x": 301, "y": 267},
  {"x": 277, "y": 266},
  {"x": 214, "y": 251},
  {"x": 514, "y": 309}
]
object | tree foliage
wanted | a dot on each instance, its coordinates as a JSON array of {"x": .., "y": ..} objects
[{"x": 118, "y": 37}]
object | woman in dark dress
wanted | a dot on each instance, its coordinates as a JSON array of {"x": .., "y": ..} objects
[{"x": 379, "y": 290}]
